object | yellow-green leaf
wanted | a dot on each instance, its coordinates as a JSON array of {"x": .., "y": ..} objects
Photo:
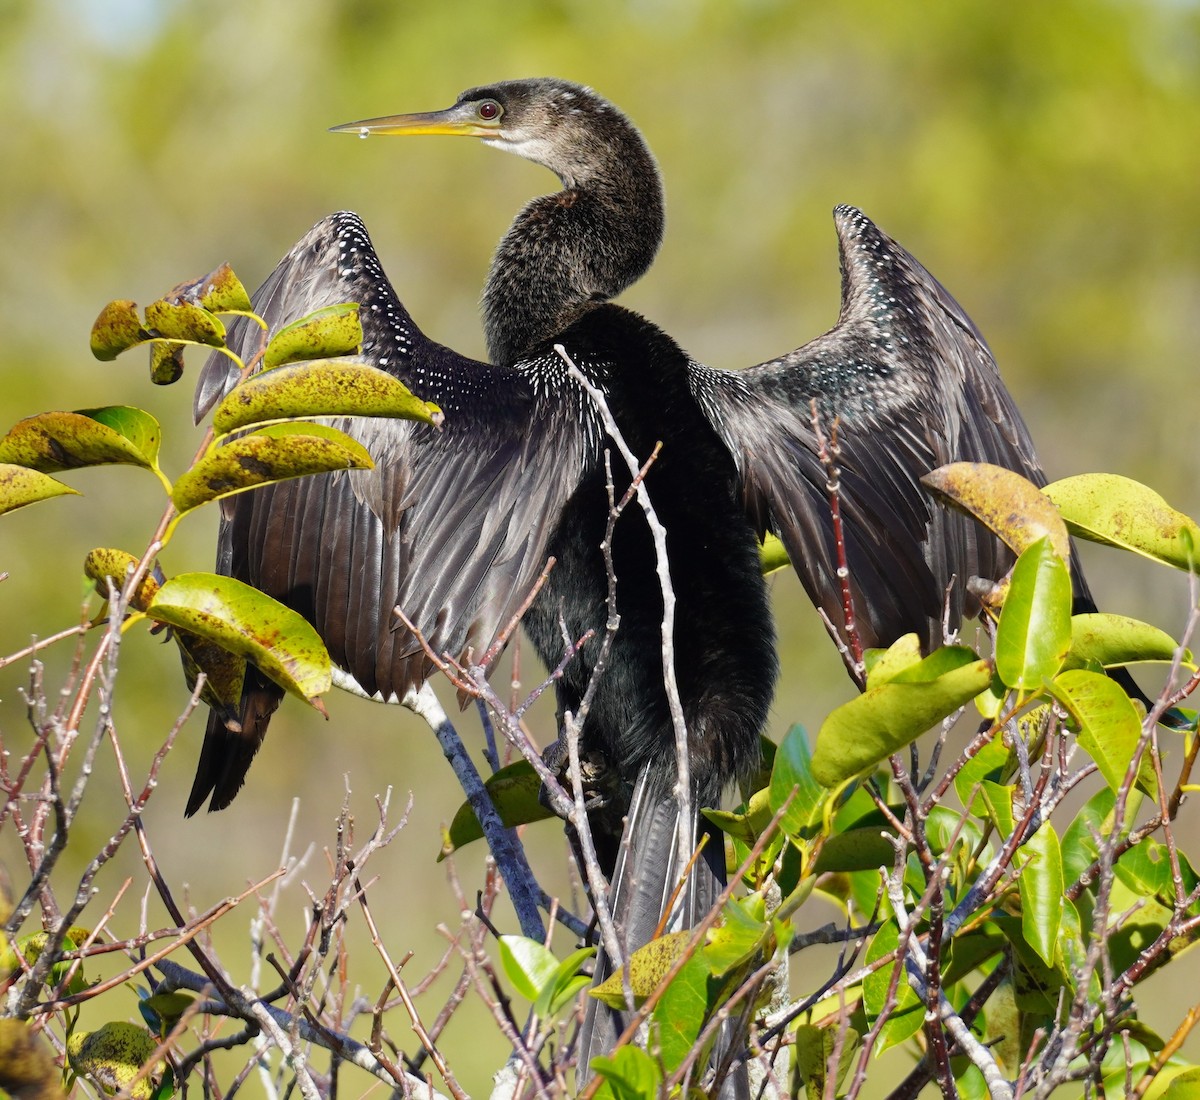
[
  {"x": 112, "y": 1057},
  {"x": 326, "y": 387},
  {"x": 324, "y": 333},
  {"x": 648, "y": 966},
  {"x": 104, "y": 563},
  {"x": 242, "y": 620},
  {"x": 1014, "y": 509},
  {"x": 181, "y": 320},
  {"x": 221, "y": 291},
  {"x": 20, "y": 486},
  {"x": 166, "y": 362},
  {"x": 1109, "y": 724},
  {"x": 54, "y": 441},
  {"x": 1118, "y": 511},
  {"x": 772, "y": 555},
  {"x": 1110, "y": 640},
  {"x": 272, "y": 453},
  {"x": 883, "y": 719},
  {"x": 117, "y": 328}
]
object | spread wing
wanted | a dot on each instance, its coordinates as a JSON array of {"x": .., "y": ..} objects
[
  {"x": 450, "y": 526},
  {"x": 910, "y": 384}
]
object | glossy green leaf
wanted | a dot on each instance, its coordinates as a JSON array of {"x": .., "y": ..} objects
[
  {"x": 55, "y": 441},
  {"x": 909, "y": 1013},
  {"x": 884, "y": 665},
  {"x": 792, "y": 778},
  {"x": 564, "y": 984},
  {"x": 1094, "y": 819},
  {"x": 181, "y": 320},
  {"x": 680, "y": 1014},
  {"x": 529, "y": 965},
  {"x": 739, "y": 936},
  {"x": 629, "y": 1073},
  {"x": 242, "y": 620},
  {"x": 137, "y": 426},
  {"x": 855, "y": 850},
  {"x": 1184, "y": 1085},
  {"x": 117, "y": 328},
  {"x": 326, "y": 387},
  {"x": 1118, "y": 511},
  {"x": 1041, "y": 881},
  {"x": 882, "y": 720},
  {"x": 1110, "y": 640},
  {"x": 1109, "y": 724},
  {"x": 814, "y": 1047},
  {"x": 1014, "y": 509},
  {"x": 20, "y": 486},
  {"x": 325, "y": 333},
  {"x": 745, "y": 826},
  {"x": 514, "y": 791},
  {"x": 648, "y": 965},
  {"x": 272, "y": 453},
  {"x": 1034, "y": 634},
  {"x": 112, "y": 1056},
  {"x": 990, "y": 762},
  {"x": 998, "y": 797}
]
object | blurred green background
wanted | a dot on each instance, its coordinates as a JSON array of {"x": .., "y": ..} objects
[{"x": 1041, "y": 159}]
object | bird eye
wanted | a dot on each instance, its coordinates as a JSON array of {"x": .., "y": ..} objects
[{"x": 488, "y": 110}]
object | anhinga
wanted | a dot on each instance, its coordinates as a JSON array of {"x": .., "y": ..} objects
[{"x": 453, "y": 526}]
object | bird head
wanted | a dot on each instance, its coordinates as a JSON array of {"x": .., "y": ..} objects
[{"x": 563, "y": 126}]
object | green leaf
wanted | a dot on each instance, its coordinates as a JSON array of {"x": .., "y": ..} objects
[
  {"x": 814, "y": 1047},
  {"x": 112, "y": 1056},
  {"x": 772, "y": 555},
  {"x": 326, "y": 387},
  {"x": 242, "y": 620},
  {"x": 1109, "y": 724},
  {"x": 20, "y": 486},
  {"x": 990, "y": 762},
  {"x": 1041, "y": 881},
  {"x": 528, "y": 964},
  {"x": 55, "y": 441},
  {"x": 564, "y": 984},
  {"x": 855, "y": 850},
  {"x": 1014, "y": 509},
  {"x": 792, "y": 777},
  {"x": 908, "y": 1016},
  {"x": 136, "y": 425},
  {"x": 1111, "y": 640},
  {"x": 884, "y": 665},
  {"x": 514, "y": 791},
  {"x": 679, "y": 1015},
  {"x": 117, "y": 328},
  {"x": 629, "y": 1073},
  {"x": 1118, "y": 511},
  {"x": 269, "y": 454},
  {"x": 325, "y": 333},
  {"x": 739, "y": 936},
  {"x": 1184, "y": 1086},
  {"x": 181, "y": 320},
  {"x": 883, "y": 719},
  {"x": 1034, "y": 634}
]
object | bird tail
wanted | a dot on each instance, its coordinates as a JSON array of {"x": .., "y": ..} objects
[
  {"x": 227, "y": 751},
  {"x": 650, "y": 888}
]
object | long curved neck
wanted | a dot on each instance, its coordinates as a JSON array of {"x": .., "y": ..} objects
[{"x": 568, "y": 252}]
